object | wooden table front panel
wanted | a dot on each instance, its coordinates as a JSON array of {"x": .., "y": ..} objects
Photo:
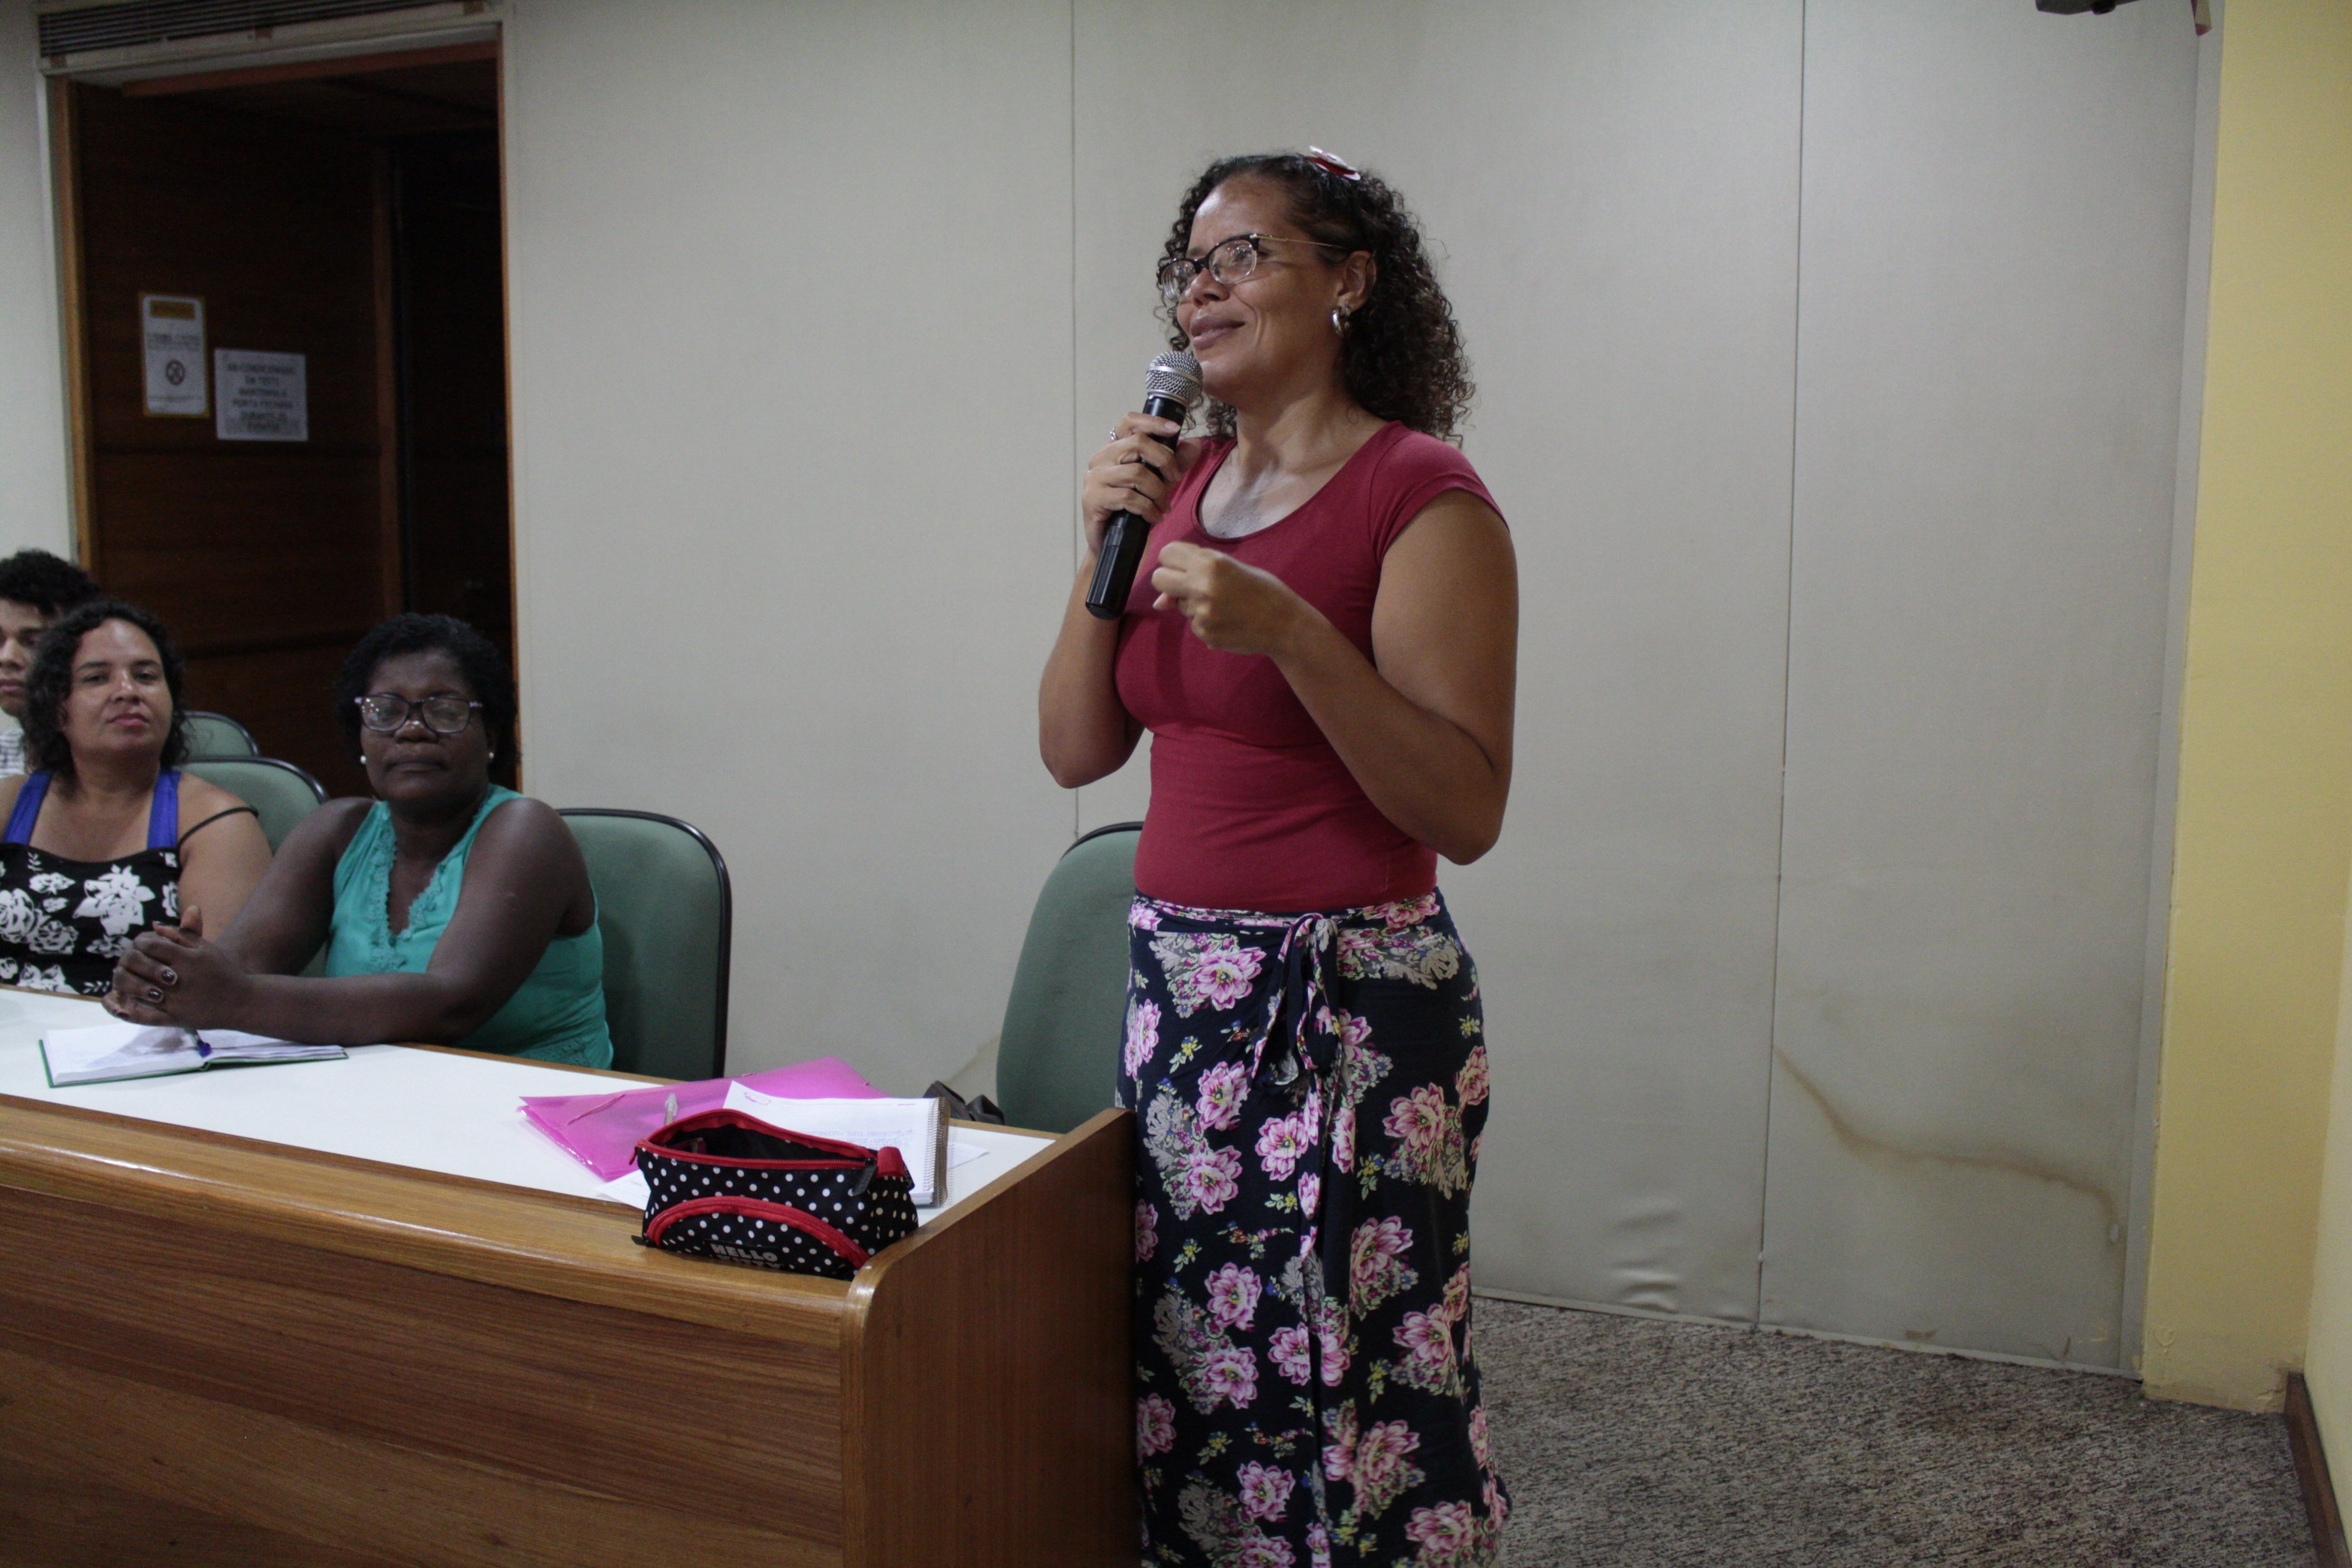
[
  {"x": 188, "y": 1374},
  {"x": 560, "y": 1392},
  {"x": 990, "y": 1423},
  {"x": 214, "y": 1351}
]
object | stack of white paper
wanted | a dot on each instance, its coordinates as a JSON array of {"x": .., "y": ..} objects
[{"x": 918, "y": 1128}]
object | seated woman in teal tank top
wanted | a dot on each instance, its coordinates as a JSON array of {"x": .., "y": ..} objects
[{"x": 453, "y": 912}]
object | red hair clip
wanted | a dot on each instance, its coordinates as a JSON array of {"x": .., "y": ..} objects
[{"x": 1331, "y": 166}]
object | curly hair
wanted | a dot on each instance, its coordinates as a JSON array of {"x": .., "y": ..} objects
[
  {"x": 48, "y": 582},
  {"x": 1402, "y": 356},
  {"x": 484, "y": 669},
  {"x": 50, "y": 680}
]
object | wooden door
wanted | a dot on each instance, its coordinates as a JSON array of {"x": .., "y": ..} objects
[
  {"x": 450, "y": 327},
  {"x": 267, "y": 558}
]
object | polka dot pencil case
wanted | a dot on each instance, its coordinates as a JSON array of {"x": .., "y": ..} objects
[{"x": 725, "y": 1184}]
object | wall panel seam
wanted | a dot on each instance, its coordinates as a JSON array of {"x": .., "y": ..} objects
[
  {"x": 1078, "y": 538},
  {"x": 1788, "y": 631}
]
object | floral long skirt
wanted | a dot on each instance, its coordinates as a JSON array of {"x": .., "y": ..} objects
[{"x": 1310, "y": 1091}]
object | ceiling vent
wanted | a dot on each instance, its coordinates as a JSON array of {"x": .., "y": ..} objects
[{"x": 133, "y": 30}]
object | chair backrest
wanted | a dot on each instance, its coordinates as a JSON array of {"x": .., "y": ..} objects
[
  {"x": 218, "y": 735},
  {"x": 667, "y": 914},
  {"x": 1058, "y": 1058},
  {"x": 281, "y": 793}
]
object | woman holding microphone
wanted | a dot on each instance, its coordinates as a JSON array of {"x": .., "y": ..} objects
[{"x": 1322, "y": 643}]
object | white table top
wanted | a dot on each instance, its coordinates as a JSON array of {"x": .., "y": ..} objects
[{"x": 458, "y": 1115}]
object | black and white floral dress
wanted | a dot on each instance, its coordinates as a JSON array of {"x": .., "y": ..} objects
[
  {"x": 64, "y": 922},
  {"x": 1312, "y": 1090}
]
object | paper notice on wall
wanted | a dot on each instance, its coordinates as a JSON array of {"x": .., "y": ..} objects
[
  {"x": 172, "y": 334},
  {"x": 259, "y": 396}
]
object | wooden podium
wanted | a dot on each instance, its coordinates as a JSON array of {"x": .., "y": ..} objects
[{"x": 216, "y": 1351}]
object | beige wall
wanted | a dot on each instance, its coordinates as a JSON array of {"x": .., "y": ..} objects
[
  {"x": 815, "y": 309},
  {"x": 791, "y": 358},
  {"x": 1621, "y": 244},
  {"x": 2328, "y": 1354},
  {"x": 2306, "y": 123},
  {"x": 2265, "y": 800},
  {"x": 1996, "y": 228},
  {"x": 33, "y": 507}
]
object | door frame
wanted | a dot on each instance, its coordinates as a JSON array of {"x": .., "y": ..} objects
[{"x": 388, "y": 43}]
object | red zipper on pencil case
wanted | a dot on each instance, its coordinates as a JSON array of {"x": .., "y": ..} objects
[
  {"x": 888, "y": 1160},
  {"x": 756, "y": 1208},
  {"x": 694, "y": 1157}
]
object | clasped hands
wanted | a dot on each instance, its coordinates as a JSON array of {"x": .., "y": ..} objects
[
  {"x": 172, "y": 977},
  {"x": 1232, "y": 606}
]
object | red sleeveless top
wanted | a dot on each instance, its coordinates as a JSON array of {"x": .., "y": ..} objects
[{"x": 1251, "y": 808}]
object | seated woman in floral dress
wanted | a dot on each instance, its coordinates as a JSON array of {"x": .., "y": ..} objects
[{"x": 106, "y": 837}]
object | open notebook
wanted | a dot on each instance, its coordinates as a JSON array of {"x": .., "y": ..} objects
[{"x": 105, "y": 1052}]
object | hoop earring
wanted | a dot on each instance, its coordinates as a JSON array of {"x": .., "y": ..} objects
[{"x": 1339, "y": 320}]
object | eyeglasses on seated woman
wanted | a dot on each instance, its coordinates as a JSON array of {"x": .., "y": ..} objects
[
  {"x": 452, "y": 910},
  {"x": 106, "y": 838}
]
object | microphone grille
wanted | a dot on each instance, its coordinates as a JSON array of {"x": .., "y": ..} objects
[{"x": 1175, "y": 375}]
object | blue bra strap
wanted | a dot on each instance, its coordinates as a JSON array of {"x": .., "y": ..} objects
[
  {"x": 163, "y": 816},
  {"x": 28, "y": 810}
]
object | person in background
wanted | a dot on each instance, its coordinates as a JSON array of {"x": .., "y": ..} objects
[
  {"x": 1324, "y": 654},
  {"x": 453, "y": 912},
  {"x": 36, "y": 588},
  {"x": 106, "y": 838}
]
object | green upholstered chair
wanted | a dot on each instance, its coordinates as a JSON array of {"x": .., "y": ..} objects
[
  {"x": 667, "y": 913},
  {"x": 281, "y": 793},
  {"x": 218, "y": 735},
  {"x": 1058, "y": 1058}
]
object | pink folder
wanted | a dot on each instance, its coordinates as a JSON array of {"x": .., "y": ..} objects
[{"x": 602, "y": 1131}]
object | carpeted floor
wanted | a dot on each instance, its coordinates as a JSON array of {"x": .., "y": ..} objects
[{"x": 1629, "y": 1444}]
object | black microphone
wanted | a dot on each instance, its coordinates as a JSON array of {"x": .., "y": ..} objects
[{"x": 1170, "y": 390}]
